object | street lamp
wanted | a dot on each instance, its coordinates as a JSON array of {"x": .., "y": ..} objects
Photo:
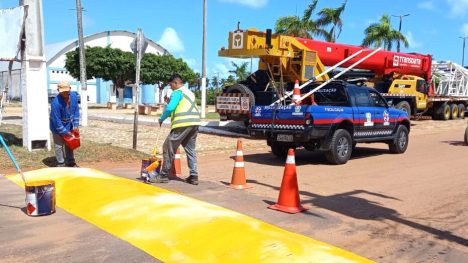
[
  {"x": 399, "y": 28},
  {"x": 463, "y": 53}
]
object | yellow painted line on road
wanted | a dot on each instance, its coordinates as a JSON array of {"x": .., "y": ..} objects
[{"x": 175, "y": 228}]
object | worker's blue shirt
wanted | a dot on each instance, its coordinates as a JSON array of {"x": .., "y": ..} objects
[
  {"x": 62, "y": 118},
  {"x": 176, "y": 96}
]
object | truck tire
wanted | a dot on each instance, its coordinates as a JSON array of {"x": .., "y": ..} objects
[
  {"x": 443, "y": 112},
  {"x": 240, "y": 88},
  {"x": 400, "y": 143},
  {"x": 279, "y": 150},
  {"x": 453, "y": 111},
  {"x": 461, "y": 111},
  {"x": 466, "y": 136},
  {"x": 341, "y": 147},
  {"x": 404, "y": 106}
]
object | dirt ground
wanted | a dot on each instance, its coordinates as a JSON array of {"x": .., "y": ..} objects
[
  {"x": 390, "y": 208},
  {"x": 407, "y": 208}
]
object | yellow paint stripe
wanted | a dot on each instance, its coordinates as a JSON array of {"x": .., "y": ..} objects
[{"x": 176, "y": 228}]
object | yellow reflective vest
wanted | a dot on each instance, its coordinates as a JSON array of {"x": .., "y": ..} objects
[{"x": 186, "y": 113}]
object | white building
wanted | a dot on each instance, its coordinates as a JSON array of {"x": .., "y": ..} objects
[{"x": 99, "y": 91}]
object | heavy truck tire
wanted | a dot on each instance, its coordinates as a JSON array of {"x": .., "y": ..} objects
[
  {"x": 404, "y": 106},
  {"x": 454, "y": 111},
  {"x": 240, "y": 88},
  {"x": 461, "y": 111},
  {"x": 443, "y": 112},
  {"x": 341, "y": 147},
  {"x": 400, "y": 143}
]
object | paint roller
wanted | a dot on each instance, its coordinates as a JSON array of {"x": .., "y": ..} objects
[{"x": 12, "y": 158}]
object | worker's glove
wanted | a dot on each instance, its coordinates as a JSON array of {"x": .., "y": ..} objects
[{"x": 160, "y": 122}]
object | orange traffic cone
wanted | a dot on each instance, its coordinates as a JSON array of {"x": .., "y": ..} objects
[
  {"x": 176, "y": 169},
  {"x": 288, "y": 199},
  {"x": 296, "y": 94},
  {"x": 238, "y": 180}
]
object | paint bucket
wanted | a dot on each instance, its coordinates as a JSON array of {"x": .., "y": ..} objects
[
  {"x": 145, "y": 163},
  {"x": 40, "y": 198}
]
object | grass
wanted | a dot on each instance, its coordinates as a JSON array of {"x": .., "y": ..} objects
[{"x": 88, "y": 152}]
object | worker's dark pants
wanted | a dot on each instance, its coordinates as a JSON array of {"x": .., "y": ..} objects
[
  {"x": 187, "y": 137},
  {"x": 63, "y": 154}
]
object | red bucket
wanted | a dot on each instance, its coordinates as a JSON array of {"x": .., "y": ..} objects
[{"x": 72, "y": 142}]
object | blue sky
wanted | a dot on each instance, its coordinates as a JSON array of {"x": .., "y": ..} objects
[{"x": 433, "y": 27}]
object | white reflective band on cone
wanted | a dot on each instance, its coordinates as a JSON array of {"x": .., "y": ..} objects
[
  {"x": 239, "y": 164},
  {"x": 239, "y": 153},
  {"x": 290, "y": 159},
  {"x": 177, "y": 156}
]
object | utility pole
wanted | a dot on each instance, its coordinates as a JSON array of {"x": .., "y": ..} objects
[
  {"x": 399, "y": 28},
  {"x": 138, "y": 46},
  {"x": 83, "y": 93},
  {"x": 203, "y": 84},
  {"x": 463, "y": 53}
]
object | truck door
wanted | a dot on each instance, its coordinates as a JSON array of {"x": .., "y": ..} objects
[
  {"x": 364, "y": 118},
  {"x": 383, "y": 124}
]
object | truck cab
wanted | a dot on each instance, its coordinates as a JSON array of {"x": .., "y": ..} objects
[{"x": 342, "y": 116}]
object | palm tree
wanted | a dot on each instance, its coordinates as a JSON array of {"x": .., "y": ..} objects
[
  {"x": 240, "y": 70},
  {"x": 332, "y": 16},
  {"x": 378, "y": 34},
  {"x": 300, "y": 26}
]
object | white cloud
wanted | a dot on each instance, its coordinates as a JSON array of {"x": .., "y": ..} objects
[
  {"x": 222, "y": 69},
  {"x": 250, "y": 3},
  {"x": 458, "y": 7},
  {"x": 412, "y": 41},
  {"x": 464, "y": 30},
  {"x": 428, "y": 5},
  {"x": 170, "y": 40}
]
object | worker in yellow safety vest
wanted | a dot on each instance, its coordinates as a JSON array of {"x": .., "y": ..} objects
[{"x": 185, "y": 120}]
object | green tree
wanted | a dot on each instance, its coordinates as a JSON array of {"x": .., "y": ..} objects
[
  {"x": 378, "y": 34},
  {"x": 214, "y": 82},
  {"x": 332, "y": 16},
  {"x": 159, "y": 68},
  {"x": 106, "y": 63},
  {"x": 119, "y": 66},
  {"x": 229, "y": 81},
  {"x": 240, "y": 70},
  {"x": 303, "y": 26}
]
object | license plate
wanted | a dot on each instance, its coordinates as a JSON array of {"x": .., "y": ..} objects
[{"x": 284, "y": 138}]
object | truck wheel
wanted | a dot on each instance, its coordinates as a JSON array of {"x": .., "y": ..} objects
[
  {"x": 461, "y": 111},
  {"x": 400, "y": 143},
  {"x": 341, "y": 147},
  {"x": 279, "y": 150},
  {"x": 404, "y": 106},
  {"x": 466, "y": 136},
  {"x": 240, "y": 88},
  {"x": 444, "y": 112},
  {"x": 453, "y": 111}
]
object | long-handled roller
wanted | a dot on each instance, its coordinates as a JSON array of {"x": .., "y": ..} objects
[{"x": 12, "y": 158}]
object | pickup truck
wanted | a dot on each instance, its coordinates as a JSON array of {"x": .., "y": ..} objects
[{"x": 342, "y": 115}]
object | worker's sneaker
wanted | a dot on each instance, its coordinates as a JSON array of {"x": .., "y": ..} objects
[
  {"x": 159, "y": 179},
  {"x": 61, "y": 165},
  {"x": 192, "y": 180}
]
